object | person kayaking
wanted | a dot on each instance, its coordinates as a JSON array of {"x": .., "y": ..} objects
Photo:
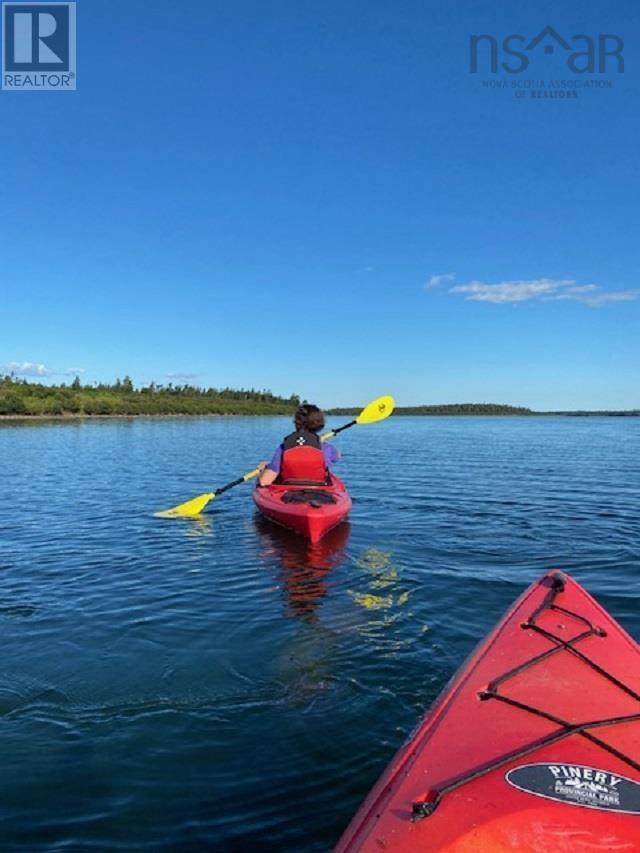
[{"x": 302, "y": 459}]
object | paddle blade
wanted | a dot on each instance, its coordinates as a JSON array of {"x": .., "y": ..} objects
[
  {"x": 378, "y": 410},
  {"x": 189, "y": 508}
]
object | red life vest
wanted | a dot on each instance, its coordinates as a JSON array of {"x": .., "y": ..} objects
[{"x": 303, "y": 461}]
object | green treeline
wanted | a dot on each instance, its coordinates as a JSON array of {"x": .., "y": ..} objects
[
  {"x": 489, "y": 409},
  {"x": 450, "y": 409},
  {"x": 465, "y": 409},
  {"x": 20, "y": 397}
]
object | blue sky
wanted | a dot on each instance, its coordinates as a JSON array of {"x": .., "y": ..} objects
[{"x": 320, "y": 198}]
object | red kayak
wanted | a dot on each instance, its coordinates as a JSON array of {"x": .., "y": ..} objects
[
  {"x": 533, "y": 746},
  {"x": 310, "y": 511}
]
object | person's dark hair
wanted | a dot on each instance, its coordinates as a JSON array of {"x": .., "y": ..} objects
[{"x": 309, "y": 417}]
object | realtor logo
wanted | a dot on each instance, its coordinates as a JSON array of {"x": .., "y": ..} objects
[{"x": 39, "y": 46}]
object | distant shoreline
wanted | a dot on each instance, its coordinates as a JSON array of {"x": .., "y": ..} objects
[
  {"x": 74, "y": 416},
  {"x": 491, "y": 410},
  {"x": 21, "y": 400},
  {"x": 78, "y": 416}
]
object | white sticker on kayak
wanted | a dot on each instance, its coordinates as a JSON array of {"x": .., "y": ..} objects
[{"x": 578, "y": 785}]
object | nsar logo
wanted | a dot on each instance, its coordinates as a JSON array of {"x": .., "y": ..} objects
[
  {"x": 584, "y": 54},
  {"x": 39, "y": 47}
]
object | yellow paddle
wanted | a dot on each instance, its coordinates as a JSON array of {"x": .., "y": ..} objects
[{"x": 378, "y": 410}]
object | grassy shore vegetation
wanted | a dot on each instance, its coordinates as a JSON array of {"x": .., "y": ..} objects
[{"x": 18, "y": 397}]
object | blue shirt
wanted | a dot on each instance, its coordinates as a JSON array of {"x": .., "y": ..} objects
[{"x": 330, "y": 452}]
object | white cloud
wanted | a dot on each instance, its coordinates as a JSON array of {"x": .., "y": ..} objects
[
  {"x": 41, "y": 371},
  {"x": 437, "y": 280},
  {"x": 612, "y": 296},
  {"x": 26, "y": 368},
  {"x": 576, "y": 292},
  {"x": 511, "y": 291},
  {"x": 179, "y": 375},
  {"x": 544, "y": 290}
]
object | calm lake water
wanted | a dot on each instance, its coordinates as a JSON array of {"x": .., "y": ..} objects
[{"x": 217, "y": 684}]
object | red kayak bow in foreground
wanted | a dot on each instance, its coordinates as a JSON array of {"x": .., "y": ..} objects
[{"x": 534, "y": 746}]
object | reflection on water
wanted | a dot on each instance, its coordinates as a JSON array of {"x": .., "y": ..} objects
[
  {"x": 382, "y": 595},
  {"x": 197, "y": 526},
  {"x": 304, "y": 566},
  {"x": 381, "y": 577}
]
